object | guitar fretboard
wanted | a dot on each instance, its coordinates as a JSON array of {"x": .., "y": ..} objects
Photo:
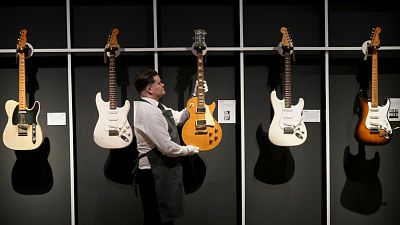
[
  {"x": 200, "y": 79},
  {"x": 112, "y": 82},
  {"x": 374, "y": 83},
  {"x": 22, "y": 85},
  {"x": 288, "y": 81}
]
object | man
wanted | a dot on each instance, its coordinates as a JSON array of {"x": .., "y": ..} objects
[{"x": 160, "y": 171}]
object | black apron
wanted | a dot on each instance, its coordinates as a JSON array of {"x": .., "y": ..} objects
[{"x": 167, "y": 173}]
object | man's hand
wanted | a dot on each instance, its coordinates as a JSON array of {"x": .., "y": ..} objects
[{"x": 191, "y": 150}]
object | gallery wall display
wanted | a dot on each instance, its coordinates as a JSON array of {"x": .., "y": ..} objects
[{"x": 305, "y": 130}]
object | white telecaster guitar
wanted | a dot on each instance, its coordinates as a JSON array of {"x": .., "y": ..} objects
[
  {"x": 112, "y": 130},
  {"x": 287, "y": 127},
  {"x": 22, "y": 131}
]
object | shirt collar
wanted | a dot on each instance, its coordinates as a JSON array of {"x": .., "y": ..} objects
[{"x": 152, "y": 101}]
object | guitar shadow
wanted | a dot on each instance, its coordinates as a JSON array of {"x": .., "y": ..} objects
[
  {"x": 193, "y": 167},
  {"x": 32, "y": 174},
  {"x": 362, "y": 192},
  {"x": 119, "y": 164},
  {"x": 275, "y": 164}
]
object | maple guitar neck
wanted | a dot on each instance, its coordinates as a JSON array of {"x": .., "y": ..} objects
[
  {"x": 374, "y": 81},
  {"x": 288, "y": 81},
  {"x": 22, "y": 82}
]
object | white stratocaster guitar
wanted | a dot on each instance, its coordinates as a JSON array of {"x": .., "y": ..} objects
[
  {"x": 22, "y": 131},
  {"x": 287, "y": 127},
  {"x": 112, "y": 130}
]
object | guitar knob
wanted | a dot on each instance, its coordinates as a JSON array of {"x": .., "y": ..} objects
[
  {"x": 209, "y": 134},
  {"x": 216, "y": 137},
  {"x": 211, "y": 141},
  {"x": 216, "y": 130}
]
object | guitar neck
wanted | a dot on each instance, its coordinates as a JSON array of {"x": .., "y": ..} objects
[
  {"x": 374, "y": 85},
  {"x": 22, "y": 84},
  {"x": 112, "y": 82},
  {"x": 200, "y": 80},
  {"x": 288, "y": 81}
]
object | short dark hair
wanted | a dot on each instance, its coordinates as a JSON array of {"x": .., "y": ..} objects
[{"x": 144, "y": 78}]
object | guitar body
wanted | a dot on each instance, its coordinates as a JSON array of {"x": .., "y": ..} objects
[
  {"x": 207, "y": 138},
  {"x": 27, "y": 138},
  {"x": 287, "y": 127},
  {"x": 365, "y": 131},
  {"x": 112, "y": 128}
]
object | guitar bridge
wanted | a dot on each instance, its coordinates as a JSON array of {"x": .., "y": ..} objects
[
  {"x": 22, "y": 129},
  {"x": 201, "y": 124},
  {"x": 374, "y": 130},
  {"x": 288, "y": 130}
]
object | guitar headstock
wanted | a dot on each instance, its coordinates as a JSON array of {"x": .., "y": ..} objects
[
  {"x": 21, "y": 42},
  {"x": 199, "y": 44},
  {"x": 375, "y": 40},
  {"x": 287, "y": 43},
  {"x": 112, "y": 42}
]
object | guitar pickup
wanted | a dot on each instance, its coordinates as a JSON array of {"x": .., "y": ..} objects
[
  {"x": 113, "y": 133},
  {"x": 201, "y": 110},
  {"x": 22, "y": 117},
  {"x": 374, "y": 109},
  {"x": 373, "y": 124},
  {"x": 288, "y": 130},
  {"x": 200, "y": 132}
]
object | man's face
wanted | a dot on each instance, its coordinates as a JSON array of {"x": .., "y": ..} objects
[{"x": 157, "y": 88}]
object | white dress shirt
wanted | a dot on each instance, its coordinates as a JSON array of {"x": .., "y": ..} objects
[{"x": 151, "y": 130}]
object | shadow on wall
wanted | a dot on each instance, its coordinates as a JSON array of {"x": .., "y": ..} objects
[
  {"x": 275, "y": 164},
  {"x": 32, "y": 174},
  {"x": 362, "y": 192}
]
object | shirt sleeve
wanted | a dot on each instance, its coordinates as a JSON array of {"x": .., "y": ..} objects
[
  {"x": 180, "y": 117},
  {"x": 156, "y": 129}
]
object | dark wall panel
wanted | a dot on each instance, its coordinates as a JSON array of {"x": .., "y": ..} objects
[
  {"x": 364, "y": 178},
  {"x": 177, "y": 22},
  {"x": 36, "y": 184},
  {"x": 216, "y": 199},
  {"x": 45, "y": 25},
  {"x": 279, "y": 180},
  {"x": 92, "y": 24},
  {"x": 105, "y": 189},
  {"x": 351, "y": 24},
  {"x": 261, "y": 23}
]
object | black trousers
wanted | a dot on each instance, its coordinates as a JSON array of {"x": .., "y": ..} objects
[{"x": 145, "y": 181}]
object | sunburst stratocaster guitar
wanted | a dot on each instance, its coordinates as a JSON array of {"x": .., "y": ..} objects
[
  {"x": 287, "y": 127},
  {"x": 112, "y": 129},
  {"x": 373, "y": 127},
  {"x": 22, "y": 131},
  {"x": 201, "y": 129}
]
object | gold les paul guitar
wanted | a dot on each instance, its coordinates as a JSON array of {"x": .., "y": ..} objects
[
  {"x": 373, "y": 128},
  {"x": 22, "y": 131},
  {"x": 201, "y": 129}
]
